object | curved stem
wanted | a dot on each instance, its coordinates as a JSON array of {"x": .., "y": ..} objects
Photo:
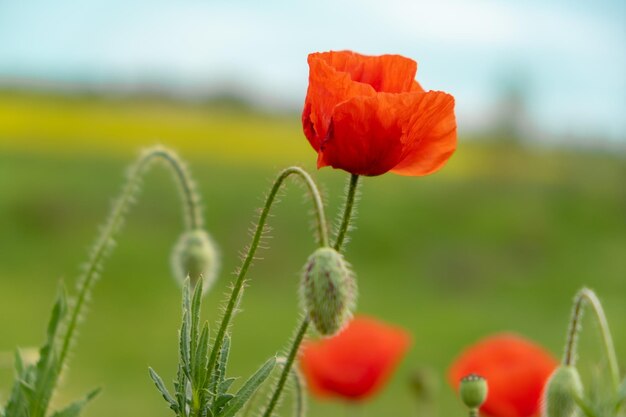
[
  {"x": 104, "y": 241},
  {"x": 191, "y": 199},
  {"x": 295, "y": 345},
  {"x": 256, "y": 238},
  {"x": 347, "y": 211},
  {"x": 569, "y": 358}
]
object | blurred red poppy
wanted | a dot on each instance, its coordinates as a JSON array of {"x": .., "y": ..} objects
[
  {"x": 357, "y": 362},
  {"x": 367, "y": 115},
  {"x": 516, "y": 371}
]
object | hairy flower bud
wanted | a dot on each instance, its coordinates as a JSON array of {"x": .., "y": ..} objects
[
  {"x": 561, "y": 392},
  {"x": 328, "y": 290},
  {"x": 473, "y": 391},
  {"x": 194, "y": 256}
]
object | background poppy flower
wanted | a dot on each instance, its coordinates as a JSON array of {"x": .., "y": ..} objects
[
  {"x": 516, "y": 371},
  {"x": 355, "y": 363},
  {"x": 367, "y": 115}
]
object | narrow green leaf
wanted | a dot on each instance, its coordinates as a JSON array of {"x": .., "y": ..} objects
[
  {"x": 48, "y": 368},
  {"x": 586, "y": 409},
  {"x": 196, "y": 304},
  {"x": 19, "y": 363},
  {"x": 186, "y": 305},
  {"x": 248, "y": 388},
  {"x": 219, "y": 374},
  {"x": 223, "y": 359},
  {"x": 225, "y": 385},
  {"x": 185, "y": 346},
  {"x": 58, "y": 312},
  {"x": 27, "y": 389},
  {"x": 163, "y": 390},
  {"x": 202, "y": 357},
  {"x": 74, "y": 409},
  {"x": 221, "y": 401}
]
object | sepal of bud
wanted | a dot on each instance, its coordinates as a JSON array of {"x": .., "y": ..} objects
[
  {"x": 473, "y": 391},
  {"x": 195, "y": 255},
  {"x": 562, "y": 390},
  {"x": 328, "y": 291}
]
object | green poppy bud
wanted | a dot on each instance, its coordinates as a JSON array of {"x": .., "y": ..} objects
[
  {"x": 562, "y": 389},
  {"x": 194, "y": 256},
  {"x": 328, "y": 290},
  {"x": 473, "y": 391}
]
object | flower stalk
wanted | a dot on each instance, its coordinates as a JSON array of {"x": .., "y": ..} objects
[
  {"x": 344, "y": 227},
  {"x": 587, "y": 296},
  {"x": 322, "y": 236},
  {"x": 105, "y": 240}
]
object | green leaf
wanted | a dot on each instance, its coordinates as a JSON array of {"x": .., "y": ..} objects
[
  {"x": 248, "y": 388},
  {"x": 48, "y": 368},
  {"x": 196, "y": 304},
  {"x": 586, "y": 409},
  {"x": 222, "y": 400},
  {"x": 74, "y": 409},
  {"x": 223, "y": 359},
  {"x": 19, "y": 363},
  {"x": 225, "y": 385},
  {"x": 202, "y": 357},
  {"x": 185, "y": 346},
  {"x": 220, "y": 371},
  {"x": 163, "y": 390},
  {"x": 27, "y": 389}
]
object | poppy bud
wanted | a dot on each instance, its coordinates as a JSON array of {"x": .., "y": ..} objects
[
  {"x": 562, "y": 390},
  {"x": 328, "y": 290},
  {"x": 473, "y": 391},
  {"x": 195, "y": 256}
]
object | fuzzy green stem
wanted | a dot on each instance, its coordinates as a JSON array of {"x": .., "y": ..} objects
[
  {"x": 347, "y": 212},
  {"x": 295, "y": 345},
  {"x": 569, "y": 357},
  {"x": 256, "y": 238},
  {"x": 473, "y": 412},
  {"x": 293, "y": 353},
  {"x": 104, "y": 241}
]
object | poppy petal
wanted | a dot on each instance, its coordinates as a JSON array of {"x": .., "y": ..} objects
[
  {"x": 355, "y": 363},
  {"x": 430, "y": 138},
  {"x": 327, "y": 88},
  {"x": 365, "y": 137},
  {"x": 385, "y": 73},
  {"x": 516, "y": 371}
]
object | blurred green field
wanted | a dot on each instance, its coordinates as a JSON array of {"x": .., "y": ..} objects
[{"x": 500, "y": 240}]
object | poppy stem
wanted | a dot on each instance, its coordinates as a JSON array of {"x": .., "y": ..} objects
[
  {"x": 293, "y": 352},
  {"x": 304, "y": 325},
  {"x": 322, "y": 231},
  {"x": 344, "y": 227},
  {"x": 104, "y": 241},
  {"x": 569, "y": 358},
  {"x": 473, "y": 412}
]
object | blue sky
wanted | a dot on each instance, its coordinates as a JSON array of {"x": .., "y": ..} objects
[{"x": 569, "y": 55}]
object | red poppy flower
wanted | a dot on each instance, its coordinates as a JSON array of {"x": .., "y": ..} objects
[
  {"x": 516, "y": 371},
  {"x": 367, "y": 115},
  {"x": 355, "y": 363}
]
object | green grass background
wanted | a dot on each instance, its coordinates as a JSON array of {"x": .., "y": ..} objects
[{"x": 499, "y": 240}]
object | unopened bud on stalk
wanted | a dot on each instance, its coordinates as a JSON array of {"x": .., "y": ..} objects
[
  {"x": 562, "y": 389},
  {"x": 328, "y": 290},
  {"x": 473, "y": 391},
  {"x": 195, "y": 256}
]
